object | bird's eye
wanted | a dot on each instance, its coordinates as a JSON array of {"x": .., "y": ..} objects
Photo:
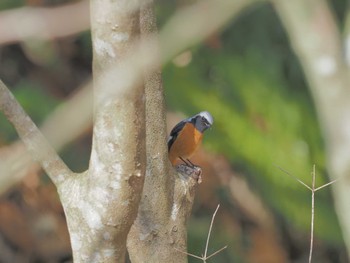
[{"x": 205, "y": 121}]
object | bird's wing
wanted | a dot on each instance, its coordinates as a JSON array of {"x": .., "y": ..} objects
[{"x": 174, "y": 132}]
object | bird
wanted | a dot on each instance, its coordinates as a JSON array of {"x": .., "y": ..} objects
[{"x": 186, "y": 137}]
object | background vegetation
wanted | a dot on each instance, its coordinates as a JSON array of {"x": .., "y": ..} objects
[{"x": 248, "y": 77}]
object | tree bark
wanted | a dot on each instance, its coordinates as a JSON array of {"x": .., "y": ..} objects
[
  {"x": 74, "y": 117},
  {"x": 167, "y": 199},
  {"x": 101, "y": 204}
]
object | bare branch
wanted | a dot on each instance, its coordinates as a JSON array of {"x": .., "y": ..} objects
[
  {"x": 140, "y": 59},
  {"x": 327, "y": 184},
  {"x": 316, "y": 40},
  {"x": 312, "y": 213},
  {"x": 204, "y": 257},
  {"x": 294, "y": 177},
  {"x": 346, "y": 34},
  {"x": 313, "y": 190},
  {"x": 209, "y": 233},
  {"x": 32, "y": 137},
  {"x": 43, "y": 23},
  {"x": 74, "y": 116},
  {"x": 189, "y": 254},
  {"x": 217, "y": 252},
  {"x": 15, "y": 161},
  {"x": 191, "y": 25}
]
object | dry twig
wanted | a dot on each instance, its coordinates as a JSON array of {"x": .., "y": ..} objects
[
  {"x": 204, "y": 257},
  {"x": 313, "y": 189}
]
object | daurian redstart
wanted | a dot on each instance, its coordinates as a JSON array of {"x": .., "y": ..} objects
[{"x": 187, "y": 135}]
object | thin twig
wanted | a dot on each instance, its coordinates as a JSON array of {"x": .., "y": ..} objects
[
  {"x": 312, "y": 213},
  {"x": 294, "y": 177},
  {"x": 204, "y": 257},
  {"x": 216, "y": 252},
  {"x": 325, "y": 185},
  {"x": 313, "y": 189},
  {"x": 211, "y": 226},
  {"x": 189, "y": 254}
]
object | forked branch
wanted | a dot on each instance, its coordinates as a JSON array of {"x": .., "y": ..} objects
[
  {"x": 313, "y": 190},
  {"x": 35, "y": 142},
  {"x": 205, "y": 257}
]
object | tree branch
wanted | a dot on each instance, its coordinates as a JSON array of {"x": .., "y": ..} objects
[
  {"x": 204, "y": 256},
  {"x": 191, "y": 25},
  {"x": 36, "y": 143},
  {"x": 106, "y": 197},
  {"x": 44, "y": 23},
  {"x": 346, "y": 35},
  {"x": 101, "y": 203},
  {"x": 161, "y": 223},
  {"x": 74, "y": 117},
  {"x": 317, "y": 42}
]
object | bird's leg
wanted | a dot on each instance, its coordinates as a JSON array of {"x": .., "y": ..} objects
[
  {"x": 186, "y": 162},
  {"x": 182, "y": 159}
]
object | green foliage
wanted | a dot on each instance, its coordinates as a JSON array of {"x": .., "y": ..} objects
[
  {"x": 35, "y": 101},
  {"x": 7, "y": 4},
  {"x": 263, "y": 114},
  {"x": 85, "y": 45}
]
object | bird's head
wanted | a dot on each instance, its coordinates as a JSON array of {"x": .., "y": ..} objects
[{"x": 203, "y": 121}]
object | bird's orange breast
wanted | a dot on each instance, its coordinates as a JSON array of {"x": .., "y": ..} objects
[{"x": 186, "y": 143}]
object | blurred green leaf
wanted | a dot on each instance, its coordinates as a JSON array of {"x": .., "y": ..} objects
[
  {"x": 8, "y": 4},
  {"x": 35, "y": 101},
  {"x": 260, "y": 122}
]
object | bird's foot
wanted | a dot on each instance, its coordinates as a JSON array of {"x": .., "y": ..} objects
[{"x": 190, "y": 170}]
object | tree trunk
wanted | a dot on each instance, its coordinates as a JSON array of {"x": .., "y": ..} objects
[
  {"x": 101, "y": 204},
  {"x": 160, "y": 227}
]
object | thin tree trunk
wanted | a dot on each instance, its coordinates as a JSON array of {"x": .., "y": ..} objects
[
  {"x": 160, "y": 227},
  {"x": 101, "y": 204}
]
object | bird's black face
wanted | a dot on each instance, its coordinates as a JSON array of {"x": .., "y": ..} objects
[
  {"x": 202, "y": 123},
  {"x": 205, "y": 122}
]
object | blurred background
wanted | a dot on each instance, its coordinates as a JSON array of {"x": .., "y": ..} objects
[{"x": 246, "y": 75}]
